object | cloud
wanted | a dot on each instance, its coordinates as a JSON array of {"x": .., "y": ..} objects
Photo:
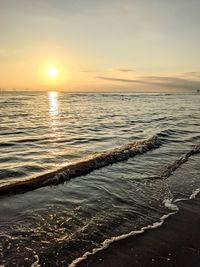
[
  {"x": 157, "y": 81},
  {"x": 173, "y": 82},
  {"x": 125, "y": 70},
  {"x": 118, "y": 79},
  {"x": 192, "y": 74},
  {"x": 87, "y": 71}
]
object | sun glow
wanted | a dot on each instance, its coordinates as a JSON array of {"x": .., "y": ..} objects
[
  {"x": 53, "y": 100},
  {"x": 52, "y": 72}
]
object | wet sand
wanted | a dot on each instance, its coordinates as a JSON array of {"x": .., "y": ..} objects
[{"x": 175, "y": 243}]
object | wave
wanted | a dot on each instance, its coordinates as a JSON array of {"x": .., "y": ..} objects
[
  {"x": 106, "y": 243},
  {"x": 177, "y": 163},
  {"x": 173, "y": 132},
  {"x": 81, "y": 167},
  {"x": 4, "y": 145},
  {"x": 169, "y": 203}
]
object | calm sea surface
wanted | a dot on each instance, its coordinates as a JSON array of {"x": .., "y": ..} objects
[{"x": 40, "y": 132}]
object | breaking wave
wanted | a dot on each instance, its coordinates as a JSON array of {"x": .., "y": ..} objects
[
  {"x": 177, "y": 163},
  {"x": 81, "y": 167}
]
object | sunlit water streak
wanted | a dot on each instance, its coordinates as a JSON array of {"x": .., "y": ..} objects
[
  {"x": 54, "y": 114},
  {"x": 54, "y": 121},
  {"x": 41, "y": 131}
]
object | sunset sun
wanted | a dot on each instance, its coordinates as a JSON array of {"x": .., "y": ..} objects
[
  {"x": 100, "y": 133},
  {"x": 53, "y": 72}
]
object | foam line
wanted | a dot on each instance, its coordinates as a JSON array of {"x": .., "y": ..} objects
[{"x": 105, "y": 244}]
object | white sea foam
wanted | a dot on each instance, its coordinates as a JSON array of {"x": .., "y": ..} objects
[
  {"x": 180, "y": 199},
  {"x": 195, "y": 193},
  {"x": 192, "y": 196},
  {"x": 169, "y": 204},
  {"x": 36, "y": 262},
  {"x": 105, "y": 244}
]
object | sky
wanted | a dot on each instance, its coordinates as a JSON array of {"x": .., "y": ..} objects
[{"x": 107, "y": 45}]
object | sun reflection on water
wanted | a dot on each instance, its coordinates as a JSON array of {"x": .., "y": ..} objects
[
  {"x": 53, "y": 100},
  {"x": 59, "y": 150},
  {"x": 54, "y": 114}
]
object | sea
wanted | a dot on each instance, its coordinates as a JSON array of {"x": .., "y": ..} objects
[{"x": 132, "y": 186}]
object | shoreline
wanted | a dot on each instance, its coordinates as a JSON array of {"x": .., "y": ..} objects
[{"x": 176, "y": 243}]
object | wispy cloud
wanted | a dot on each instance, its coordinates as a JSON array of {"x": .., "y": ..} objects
[
  {"x": 193, "y": 74},
  {"x": 125, "y": 70},
  {"x": 173, "y": 82},
  {"x": 86, "y": 71},
  {"x": 164, "y": 82},
  {"x": 119, "y": 79}
]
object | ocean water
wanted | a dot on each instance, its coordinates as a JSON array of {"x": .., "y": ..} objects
[{"x": 59, "y": 225}]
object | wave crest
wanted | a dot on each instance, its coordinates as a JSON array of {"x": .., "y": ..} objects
[{"x": 81, "y": 167}]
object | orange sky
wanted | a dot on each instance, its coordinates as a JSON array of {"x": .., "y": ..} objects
[{"x": 100, "y": 45}]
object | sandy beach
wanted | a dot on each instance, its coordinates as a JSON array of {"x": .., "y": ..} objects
[{"x": 176, "y": 243}]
